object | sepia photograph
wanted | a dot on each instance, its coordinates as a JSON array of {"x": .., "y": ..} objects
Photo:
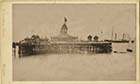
[{"x": 74, "y": 42}]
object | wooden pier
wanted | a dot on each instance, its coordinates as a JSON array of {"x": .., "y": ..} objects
[
  {"x": 80, "y": 47},
  {"x": 65, "y": 47},
  {"x": 63, "y": 43}
]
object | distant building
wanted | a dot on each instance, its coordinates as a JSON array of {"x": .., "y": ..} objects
[
  {"x": 64, "y": 36},
  {"x": 89, "y": 38},
  {"x": 96, "y": 38}
]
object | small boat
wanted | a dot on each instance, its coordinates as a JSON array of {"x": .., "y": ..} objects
[
  {"x": 131, "y": 46},
  {"x": 129, "y": 50}
]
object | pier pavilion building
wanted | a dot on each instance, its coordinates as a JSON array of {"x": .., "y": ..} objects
[{"x": 63, "y": 35}]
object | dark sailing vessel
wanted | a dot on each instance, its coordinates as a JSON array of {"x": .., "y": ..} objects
[{"x": 62, "y": 43}]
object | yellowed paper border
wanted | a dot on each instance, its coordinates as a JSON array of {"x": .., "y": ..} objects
[{"x": 6, "y": 40}]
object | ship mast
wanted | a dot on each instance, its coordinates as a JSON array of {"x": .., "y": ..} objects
[
  {"x": 115, "y": 36},
  {"x": 65, "y": 20},
  {"x": 112, "y": 33},
  {"x": 123, "y": 36}
]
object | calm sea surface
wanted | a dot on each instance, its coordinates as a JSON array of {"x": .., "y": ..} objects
[{"x": 76, "y": 67}]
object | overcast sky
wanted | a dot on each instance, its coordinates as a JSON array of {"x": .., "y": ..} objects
[{"x": 95, "y": 19}]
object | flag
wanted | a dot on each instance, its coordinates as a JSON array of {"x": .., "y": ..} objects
[{"x": 65, "y": 19}]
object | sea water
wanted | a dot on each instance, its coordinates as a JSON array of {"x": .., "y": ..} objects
[{"x": 77, "y": 67}]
